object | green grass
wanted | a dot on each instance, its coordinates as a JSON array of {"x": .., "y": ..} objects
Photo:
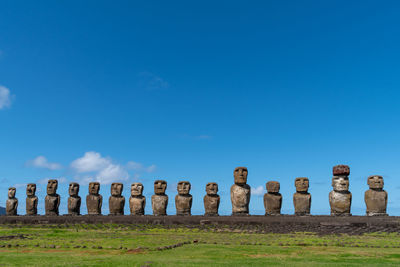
[{"x": 146, "y": 245}]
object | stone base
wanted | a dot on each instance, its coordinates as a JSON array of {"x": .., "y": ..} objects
[
  {"x": 340, "y": 214},
  {"x": 302, "y": 214},
  {"x": 240, "y": 214},
  {"x": 137, "y": 214},
  {"x": 211, "y": 214},
  {"x": 377, "y": 214},
  {"x": 183, "y": 214},
  {"x": 272, "y": 214}
]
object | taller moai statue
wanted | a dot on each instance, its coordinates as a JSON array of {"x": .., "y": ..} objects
[
  {"x": 273, "y": 199},
  {"x": 31, "y": 199},
  {"x": 159, "y": 201},
  {"x": 376, "y": 197},
  {"x": 301, "y": 199},
  {"x": 116, "y": 202},
  {"x": 137, "y": 202},
  {"x": 240, "y": 192},
  {"x": 94, "y": 200},
  {"x": 211, "y": 200},
  {"x": 183, "y": 200},
  {"x": 12, "y": 202},
  {"x": 74, "y": 201},
  {"x": 52, "y": 200},
  {"x": 340, "y": 197}
]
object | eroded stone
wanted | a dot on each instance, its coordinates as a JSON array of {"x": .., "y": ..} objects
[
  {"x": 273, "y": 199},
  {"x": 301, "y": 199},
  {"x": 12, "y": 202},
  {"x": 94, "y": 200},
  {"x": 116, "y": 202},
  {"x": 52, "y": 199},
  {"x": 376, "y": 198},
  {"x": 240, "y": 192},
  {"x": 211, "y": 200},
  {"x": 31, "y": 199},
  {"x": 183, "y": 201},
  {"x": 340, "y": 197},
  {"x": 159, "y": 201},
  {"x": 137, "y": 202},
  {"x": 74, "y": 201}
]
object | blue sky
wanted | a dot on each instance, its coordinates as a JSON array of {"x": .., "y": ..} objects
[{"x": 137, "y": 91}]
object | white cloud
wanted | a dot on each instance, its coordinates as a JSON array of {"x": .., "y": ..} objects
[
  {"x": 5, "y": 97},
  {"x": 42, "y": 162},
  {"x": 258, "y": 191},
  {"x": 90, "y": 162},
  {"x": 139, "y": 167},
  {"x": 112, "y": 173},
  {"x": 149, "y": 81},
  {"x": 61, "y": 180}
]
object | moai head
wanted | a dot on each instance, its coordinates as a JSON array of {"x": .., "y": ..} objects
[
  {"x": 302, "y": 184},
  {"x": 212, "y": 188},
  {"x": 52, "y": 186},
  {"x": 116, "y": 189},
  {"x": 73, "y": 189},
  {"x": 136, "y": 189},
  {"x": 183, "y": 188},
  {"x": 11, "y": 192},
  {"x": 273, "y": 187},
  {"x": 340, "y": 183},
  {"x": 341, "y": 170},
  {"x": 375, "y": 182},
  {"x": 159, "y": 187},
  {"x": 31, "y": 190},
  {"x": 240, "y": 175},
  {"x": 94, "y": 188}
]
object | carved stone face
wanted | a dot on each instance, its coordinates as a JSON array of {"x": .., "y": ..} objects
[
  {"x": 302, "y": 184},
  {"x": 212, "y": 188},
  {"x": 30, "y": 190},
  {"x": 136, "y": 189},
  {"x": 11, "y": 192},
  {"x": 73, "y": 189},
  {"x": 240, "y": 175},
  {"x": 375, "y": 182},
  {"x": 94, "y": 188},
  {"x": 183, "y": 188},
  {"x": 116, "y": 189},
  {"x": 159, "y": 187},
  {"x": 340, "y": 183},
  {"x": 273, "y": 187},
  {"x": 52, "y": 187}
]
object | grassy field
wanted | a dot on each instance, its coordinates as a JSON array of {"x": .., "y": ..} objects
[{"x": 141, "y": 245}]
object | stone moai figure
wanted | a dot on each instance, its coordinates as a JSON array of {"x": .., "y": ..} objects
[
  {"x": 159, "y": 201},
  {"x": 12, "y": 202},
  {"x": 302, "y": 199},
  {"x": 240, "y": 192},
  {"x": 183, "y": 200},
  {"x": 31, "y": 199},
  {"x": 340, "y": 197},
  {"x": 211, "y": 200},
  {"x": 273, "y": 199},
  {"x": 376, "y": 198},
  {"x": 137, "y": 202},
  {"x": 74, "y": 201},
  {"x": 116, "y": 202},
  {"x": 94, "y": 200},
  {"x": 52, "y": 200}
]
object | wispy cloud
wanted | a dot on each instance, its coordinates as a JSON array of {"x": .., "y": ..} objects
[
  {"x": 258, "y": 191},
  {"x": 5, "y": 97},
  {"x": 151, "y": 82},
  {"x": 42, "y": 162},
  {"x": 132, "y": 165},
  {"x": 61, "y": 180}
]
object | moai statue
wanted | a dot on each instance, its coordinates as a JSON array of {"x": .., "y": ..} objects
[
  {"x": 340, "y": 197},
  {"x": 94, "y": 200},
  {"x": 159, "y": 201},
  {"x": 301, "y": 199},
  {"x": 137, "y": 202},
  {"x": 12, "y": 202},
  {"x": 240, "y": 192},
  {"x": 183, "y": 201},
  {"x": 74, "y": 201},
  {"x": 273, "y": 199},
  {"x": 116, "y": 202},
  {"x": 31, "y": 199},
  {"x": 52, "y": 200},
  {"x": 376, "y": 197},
  {"x": 211, "y": 200}
]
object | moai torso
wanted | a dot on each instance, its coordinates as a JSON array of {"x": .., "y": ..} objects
[
  {"x": 116, "y": 201},
  {"x": 240, "y": 192},
  {"x": 94, "y": 200},
  {"x": 31, "y": 200},
  {"x": 137, "y": 202},
  {"x": 302, "y": 199},
  {"x": 273, "y": 199},
  {"x": 183, "y": 201},
  {"x": 12, "y": 202},
  {"x": 159, "y": 201},
  {"x": 376, "y": 197},
  {"x": 74, "y": 201},
  {"x": 211, "y": 200},
  {"x": 340, "y": 197},
  {"x": 52, "y": 199}
]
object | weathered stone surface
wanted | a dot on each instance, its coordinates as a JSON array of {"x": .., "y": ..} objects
[
  {"x": 94, "y": 200},
  {"x": 341, "y": 170},
  {"x": 52, "y": 199},
  {"x": 12, "y": 202},
  {"x": 74, "y": 201},
  {"x": 302, "y": 199},
  {"x": 159, "y": 201},
  {"x": 273, "y": 199},
  {"x": 340, "y": 197},
  {"x": 31, "y": 199},
  {"x": 211, "y": 200},
  {"x": 240, "y": 192},
  {"x": 137, "y": 202},
  {"x": 376, "y": 198},
  {"x": 183, "y": 201},
  {"x": 116, "y": 202}
]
